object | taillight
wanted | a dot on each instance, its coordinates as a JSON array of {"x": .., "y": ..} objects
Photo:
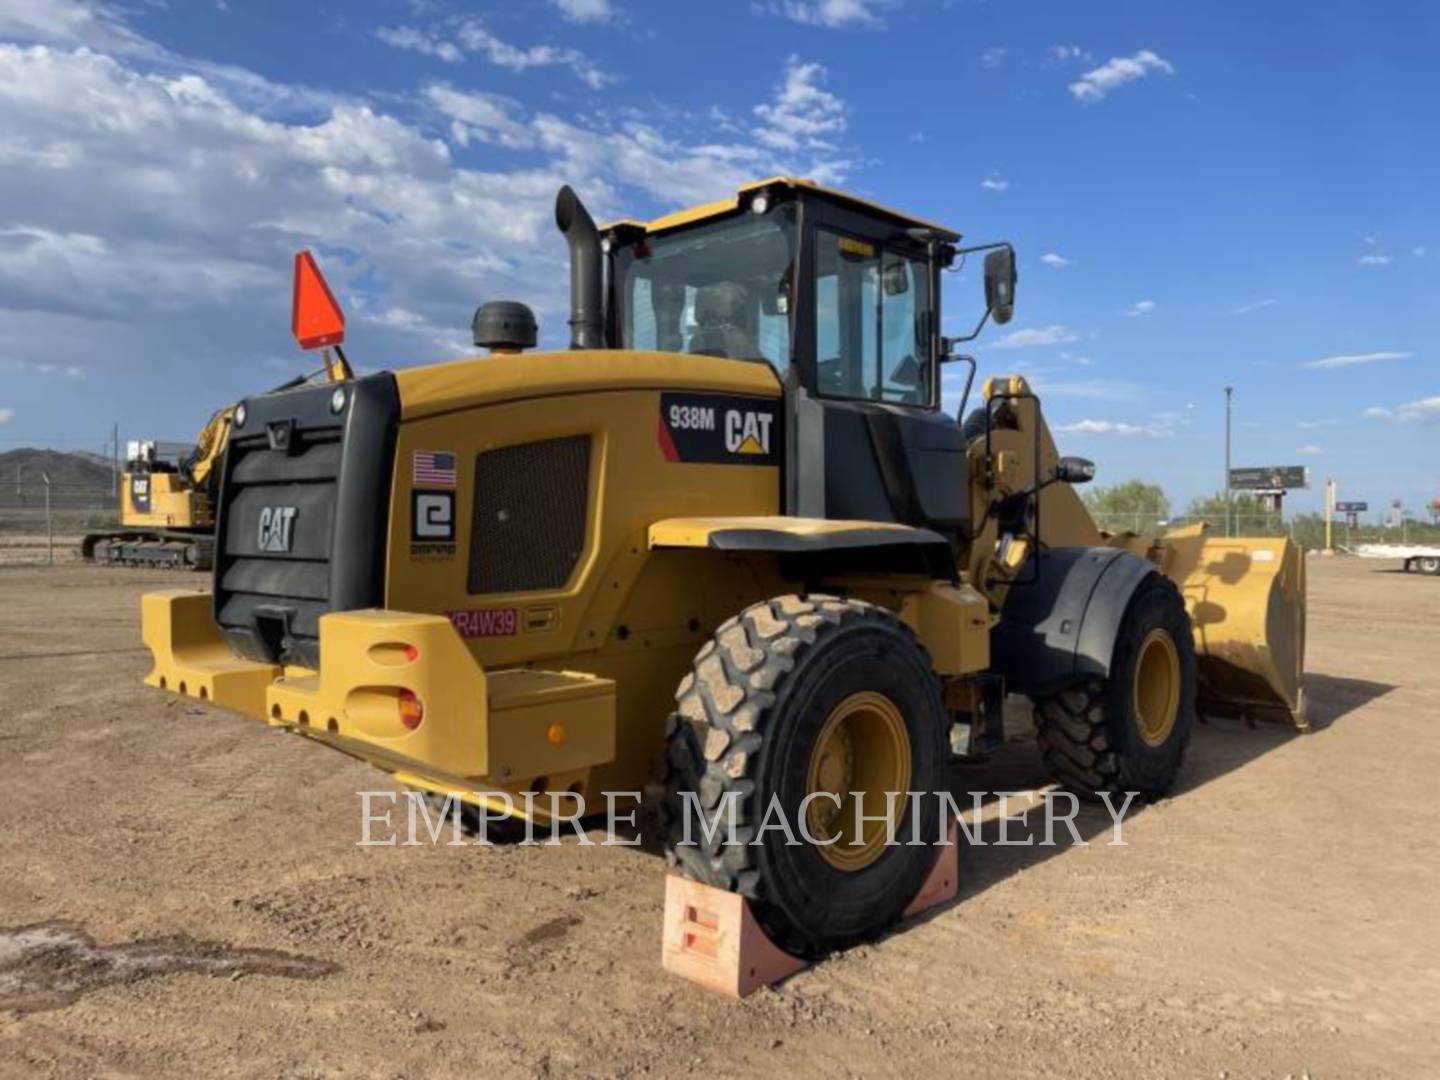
[
  {"x": 412, "y": 710},
  {"x": 411, "y": 654}
]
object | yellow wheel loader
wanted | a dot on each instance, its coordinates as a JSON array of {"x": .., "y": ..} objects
[{"x": 728, "y": 544}]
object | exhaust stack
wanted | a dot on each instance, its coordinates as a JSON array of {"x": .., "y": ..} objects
[{"x": 587, "y": 329}]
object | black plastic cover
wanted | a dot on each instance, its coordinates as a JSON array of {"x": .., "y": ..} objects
[{"x": 303, "y": 515}]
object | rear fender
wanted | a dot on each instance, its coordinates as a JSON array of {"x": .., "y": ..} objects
[{"x": 811, "y": 548}]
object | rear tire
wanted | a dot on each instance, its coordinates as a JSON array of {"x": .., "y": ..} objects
[
  {"x": 1128, "y": 731},
  {"x": 792, "y": 697},
  {"x": 1429, "y": 564}
]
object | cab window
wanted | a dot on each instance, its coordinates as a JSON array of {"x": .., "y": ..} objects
[
  {"x": 721, "y": 289},
  {"x": 872, "y": 318}
]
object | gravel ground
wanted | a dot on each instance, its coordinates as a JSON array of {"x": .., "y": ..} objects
[{"x": 181, "y": 893}]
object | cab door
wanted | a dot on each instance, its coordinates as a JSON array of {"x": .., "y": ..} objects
[{"x": 870, "y": 441}]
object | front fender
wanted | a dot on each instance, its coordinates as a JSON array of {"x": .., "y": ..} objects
[{"x": 1062, "y": 628}]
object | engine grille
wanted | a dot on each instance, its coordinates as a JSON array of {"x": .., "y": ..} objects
[{"x": 531, "y": 504}]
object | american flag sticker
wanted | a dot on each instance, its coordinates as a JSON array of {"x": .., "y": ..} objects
[{"x": 434, "y": 468}]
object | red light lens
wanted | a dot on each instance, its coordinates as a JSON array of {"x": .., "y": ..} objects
[
  {"x": 411, "y": 654},
  {"x": 412, "y": 710}
]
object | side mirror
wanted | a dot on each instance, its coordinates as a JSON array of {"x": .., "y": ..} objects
[
  {"x": 1075, "y": 470},
  {"x": 895, "y": 280},
  {"x": 1000, "y": 284}
]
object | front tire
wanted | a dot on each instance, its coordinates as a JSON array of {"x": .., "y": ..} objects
[
  {"x": 1129, "y": 730},
  {"x": 813, "y": 698}
]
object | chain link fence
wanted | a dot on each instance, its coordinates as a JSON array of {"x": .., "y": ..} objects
[{"x": 1307, "y": 530}]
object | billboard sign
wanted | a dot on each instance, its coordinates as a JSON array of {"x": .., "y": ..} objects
[{"x": 1270, "y": 478}]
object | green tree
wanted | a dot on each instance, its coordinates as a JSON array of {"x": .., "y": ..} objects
[{"x": 1132, "y": 498}]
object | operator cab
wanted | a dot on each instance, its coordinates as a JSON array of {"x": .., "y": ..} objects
[{"x": 841, "y": 297}]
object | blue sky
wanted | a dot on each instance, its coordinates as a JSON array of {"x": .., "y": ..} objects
[{"x": 1200, "y": 194}]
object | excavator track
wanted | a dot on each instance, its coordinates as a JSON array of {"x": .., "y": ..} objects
[{"x": 157, "y": 549}]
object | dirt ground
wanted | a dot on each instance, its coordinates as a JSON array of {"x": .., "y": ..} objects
[{"x": 181, "y": 893}]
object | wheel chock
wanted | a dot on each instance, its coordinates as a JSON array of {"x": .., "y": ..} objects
[{"x": 712, "y": 938}]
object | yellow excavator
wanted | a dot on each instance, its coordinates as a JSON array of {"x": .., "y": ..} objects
[
  {"x": 728, "y": 542},
  {"x": 167, "y": 508}
]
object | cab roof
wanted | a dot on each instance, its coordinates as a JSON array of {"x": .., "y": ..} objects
[{"x": 724, "y": 206}]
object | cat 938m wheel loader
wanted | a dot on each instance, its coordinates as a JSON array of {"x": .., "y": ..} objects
[{"x": 727, "y": 543}]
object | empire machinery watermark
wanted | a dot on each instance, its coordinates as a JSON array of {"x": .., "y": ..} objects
[{"x": 822, "y": 818}]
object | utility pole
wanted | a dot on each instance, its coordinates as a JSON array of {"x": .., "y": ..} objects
[
  {"x": 115, "y": 461},
  {"x": 1329, "y": 512},
  {"x": 1229, "y": 390},
  {"x": 49, "y": 529}
]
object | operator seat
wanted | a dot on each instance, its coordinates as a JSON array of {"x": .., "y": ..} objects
[{"x": 719, "y": 316}]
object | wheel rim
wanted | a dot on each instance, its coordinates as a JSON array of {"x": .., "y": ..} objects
[
  {"x": 1157, "y": 687},
  {"x": 1430, "y": 565},
  {"x": 862, "y": 747}
]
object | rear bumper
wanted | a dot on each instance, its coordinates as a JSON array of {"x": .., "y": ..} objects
[{"x": 497, "y": 729}]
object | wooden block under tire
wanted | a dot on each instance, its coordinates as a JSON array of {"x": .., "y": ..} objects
[{"x": 711, "y": 937}]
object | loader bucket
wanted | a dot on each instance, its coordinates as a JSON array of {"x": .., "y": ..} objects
[{"x": 1246, "y": 599}]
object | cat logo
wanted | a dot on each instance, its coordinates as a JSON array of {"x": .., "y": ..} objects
[
  {"x": 747, "y": 432},
  {"x": 719, "y": 429},
  {"x": 277, "y": 526}
]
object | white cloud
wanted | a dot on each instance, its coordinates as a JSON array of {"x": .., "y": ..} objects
[
  {"x": 1113, "y": 390},
  {"x": 1112, "y": 427},
  {"x": 96, "y": 25},
  {"x": 413, "y": 40},
  {"x": 481, "y": 117},
  {"x": 44, "y": 369},
  {"x": 1256, "y": 305},
  {"x": 473, "y": 36},
  {"x": 803, "y": 113},
  {"x": 995, "y": 182},
  {"x": 1142, "y": 307},
  {"x": 1310, "y": 450},
  {"x": 1044, "y": 335},
  {"x": 994, "y": 57},
  {"x": 587, "y": 10},
  {"x": 1059, "y": 262},
  {"x": 1095, "y": 84},
  {"x": 166, "y": 227},
  {"x": 1374, "y": 260},
  {"x": 6, "y": 415},
  {"x": 1418, "y": 251},
  {"x": 1423, "y": 410},
  {"x": 1329, "y": 363},
  {"x": 1060, "y": 53},
  {"x": 830, "y": 13}
]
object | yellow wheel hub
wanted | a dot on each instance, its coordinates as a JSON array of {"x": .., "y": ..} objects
[
  {"x": 1157, "y": 687},
  {"x": 863, "y": 747}
]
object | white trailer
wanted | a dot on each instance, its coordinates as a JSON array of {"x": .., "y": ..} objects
[{"x": 1418, "y": 558}]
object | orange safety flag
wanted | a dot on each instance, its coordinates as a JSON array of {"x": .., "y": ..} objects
[{"x": 315, "y": 318}]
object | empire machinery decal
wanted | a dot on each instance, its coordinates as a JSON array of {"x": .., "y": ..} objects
[
  {"x": 432, "y": 524},
  {"x": 719, "y": 429}
]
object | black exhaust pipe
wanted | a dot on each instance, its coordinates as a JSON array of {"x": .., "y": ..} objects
[{"x": 587, "y": 323}]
